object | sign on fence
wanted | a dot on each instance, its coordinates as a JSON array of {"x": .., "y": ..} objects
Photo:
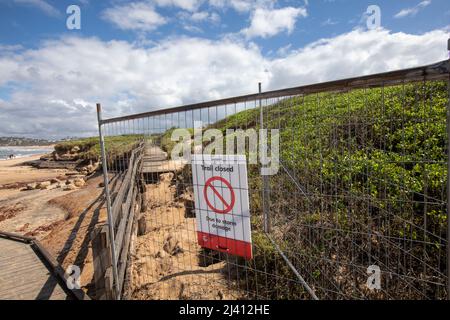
[{"x": 221, "y": 203}]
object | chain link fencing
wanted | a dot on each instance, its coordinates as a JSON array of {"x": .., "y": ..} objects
[{"x": 356, "y": 206}]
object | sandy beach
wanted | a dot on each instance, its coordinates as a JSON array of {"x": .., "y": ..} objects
[
  {"x": 14, "y": 171},
  {"x": 61, "y": 219}
]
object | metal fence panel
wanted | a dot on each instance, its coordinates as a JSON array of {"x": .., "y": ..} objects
[{"x": 361, "y": 187}]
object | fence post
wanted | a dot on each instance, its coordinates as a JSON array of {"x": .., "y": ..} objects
[
  {"x": 108, "y": 204},
  {"x": 265, "y": 191}
]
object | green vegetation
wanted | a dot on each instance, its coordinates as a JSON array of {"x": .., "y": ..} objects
[
  {"x": 166, "y": 142},
  {"x": 89, "y": 148}
]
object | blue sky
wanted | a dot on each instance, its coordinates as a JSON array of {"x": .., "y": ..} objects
[
  {"x": 27, "y": 23},
  {"x": 147, "y": 54}
]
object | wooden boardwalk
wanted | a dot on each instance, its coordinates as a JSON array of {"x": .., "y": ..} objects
[
  {"x": 155, "y": 161},
  {"x": 27, "y": 272}
]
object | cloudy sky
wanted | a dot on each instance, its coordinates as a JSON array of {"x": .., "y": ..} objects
[{"x": 135, "y": 56}]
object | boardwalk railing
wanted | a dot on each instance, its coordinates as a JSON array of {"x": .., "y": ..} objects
[{"x": 127, "y": 188}]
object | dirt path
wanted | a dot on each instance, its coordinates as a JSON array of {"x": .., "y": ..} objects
[{"x": 167, "y": 261}]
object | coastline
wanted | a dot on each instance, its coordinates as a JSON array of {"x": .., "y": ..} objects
[
  {"x": 40, "y": 149},
  {"x": 17, "y": 171}
]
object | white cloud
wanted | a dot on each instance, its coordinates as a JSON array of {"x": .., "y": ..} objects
[
  {"x": 189, "y": 5},
  {"x": 267, "y": 23},
  {"x": 41, "y": 5},
  {"x": 358, "y": 53},
  {"x": 138, "y": 16},
  {"x": 53, "y": 88},
  {"x": 413, "y": 10},
  {"x": 200, "y": 16},
  {"x": 242, "y": 5}
]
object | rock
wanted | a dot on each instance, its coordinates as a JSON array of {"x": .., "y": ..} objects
[
  {"x": 161, "y": 254},
  {"x": 55, "y": 156},
  {"x": 166, "y": 177},
  {"x": 44, "y": 185},
  {"x": 72, "y": 173},
  {"x": 67, "y": 157},
  {"x": 70, "y": 187},
  {"x": 79, "y": 182},
  {"x": 142, "y": 226},
  {"x": 47, "y": 157},
  {"x": 172, "y": 245},
  {"x": 75, "y": 149},
  {"x": 55, "y": 180},
  {"x": 92, "y": 167},
  {"x": 53, "y": 186},
  {"x": 31, "y": 186}
]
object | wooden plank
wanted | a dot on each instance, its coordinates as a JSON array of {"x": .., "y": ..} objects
[
  {"x": 124, "y": 253},
  {"x": 117, "y": 205},
  {"x": 124, "y": 221},
  {"x": 101, "y": 258},
  {"x": 25, "y": 276}
]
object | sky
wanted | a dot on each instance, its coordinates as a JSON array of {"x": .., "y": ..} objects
[{"x": 142, "y": 55}]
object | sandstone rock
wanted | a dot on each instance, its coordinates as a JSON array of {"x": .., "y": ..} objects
[
  {"x": 67, "y": 157},
  {"x": 55, "y": 180},
  {"x": 72, "y": 173},
  {"x": 47, "y": 157},
  {"x": 55, "y": 156},
  {"x": 31, "y": 186},
  {"x": 44, "y": 185},
  {"x": 52, "y": 186},
  {"x": 75, "y": 149},
  {"x": 161, "y": 254},
  {"x": 142, "y": 226},
  {"x": 79, "y": 182},
  {"x": 166, "y": 177},
  {"x": 70, "y": 187},
  {"x": 172, "y": 245},
  {"x": 92, "y": 168}
]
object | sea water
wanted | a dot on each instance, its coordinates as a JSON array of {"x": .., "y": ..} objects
[{"x": 20, "y": 152}]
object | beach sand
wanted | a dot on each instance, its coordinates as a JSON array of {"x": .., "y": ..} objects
[
  {"x": 61, "y": 220},
  {"x": 15, "y": 171}
]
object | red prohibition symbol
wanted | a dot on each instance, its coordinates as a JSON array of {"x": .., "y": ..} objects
[{"x": 227, "y": 206}]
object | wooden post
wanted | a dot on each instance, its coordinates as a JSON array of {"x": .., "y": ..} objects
[{"x": 104, "y": 289}]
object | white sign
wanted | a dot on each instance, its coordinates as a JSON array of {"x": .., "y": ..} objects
[{"x": 221, "y": 203}]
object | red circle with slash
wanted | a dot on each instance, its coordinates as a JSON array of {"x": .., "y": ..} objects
[{"x": 227, "y": 206}]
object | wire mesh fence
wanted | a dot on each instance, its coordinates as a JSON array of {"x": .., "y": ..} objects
[{"x": 360, "y": 186}]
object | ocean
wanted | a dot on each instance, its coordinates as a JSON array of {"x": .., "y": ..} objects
[{"x": 20, "y": 152}]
